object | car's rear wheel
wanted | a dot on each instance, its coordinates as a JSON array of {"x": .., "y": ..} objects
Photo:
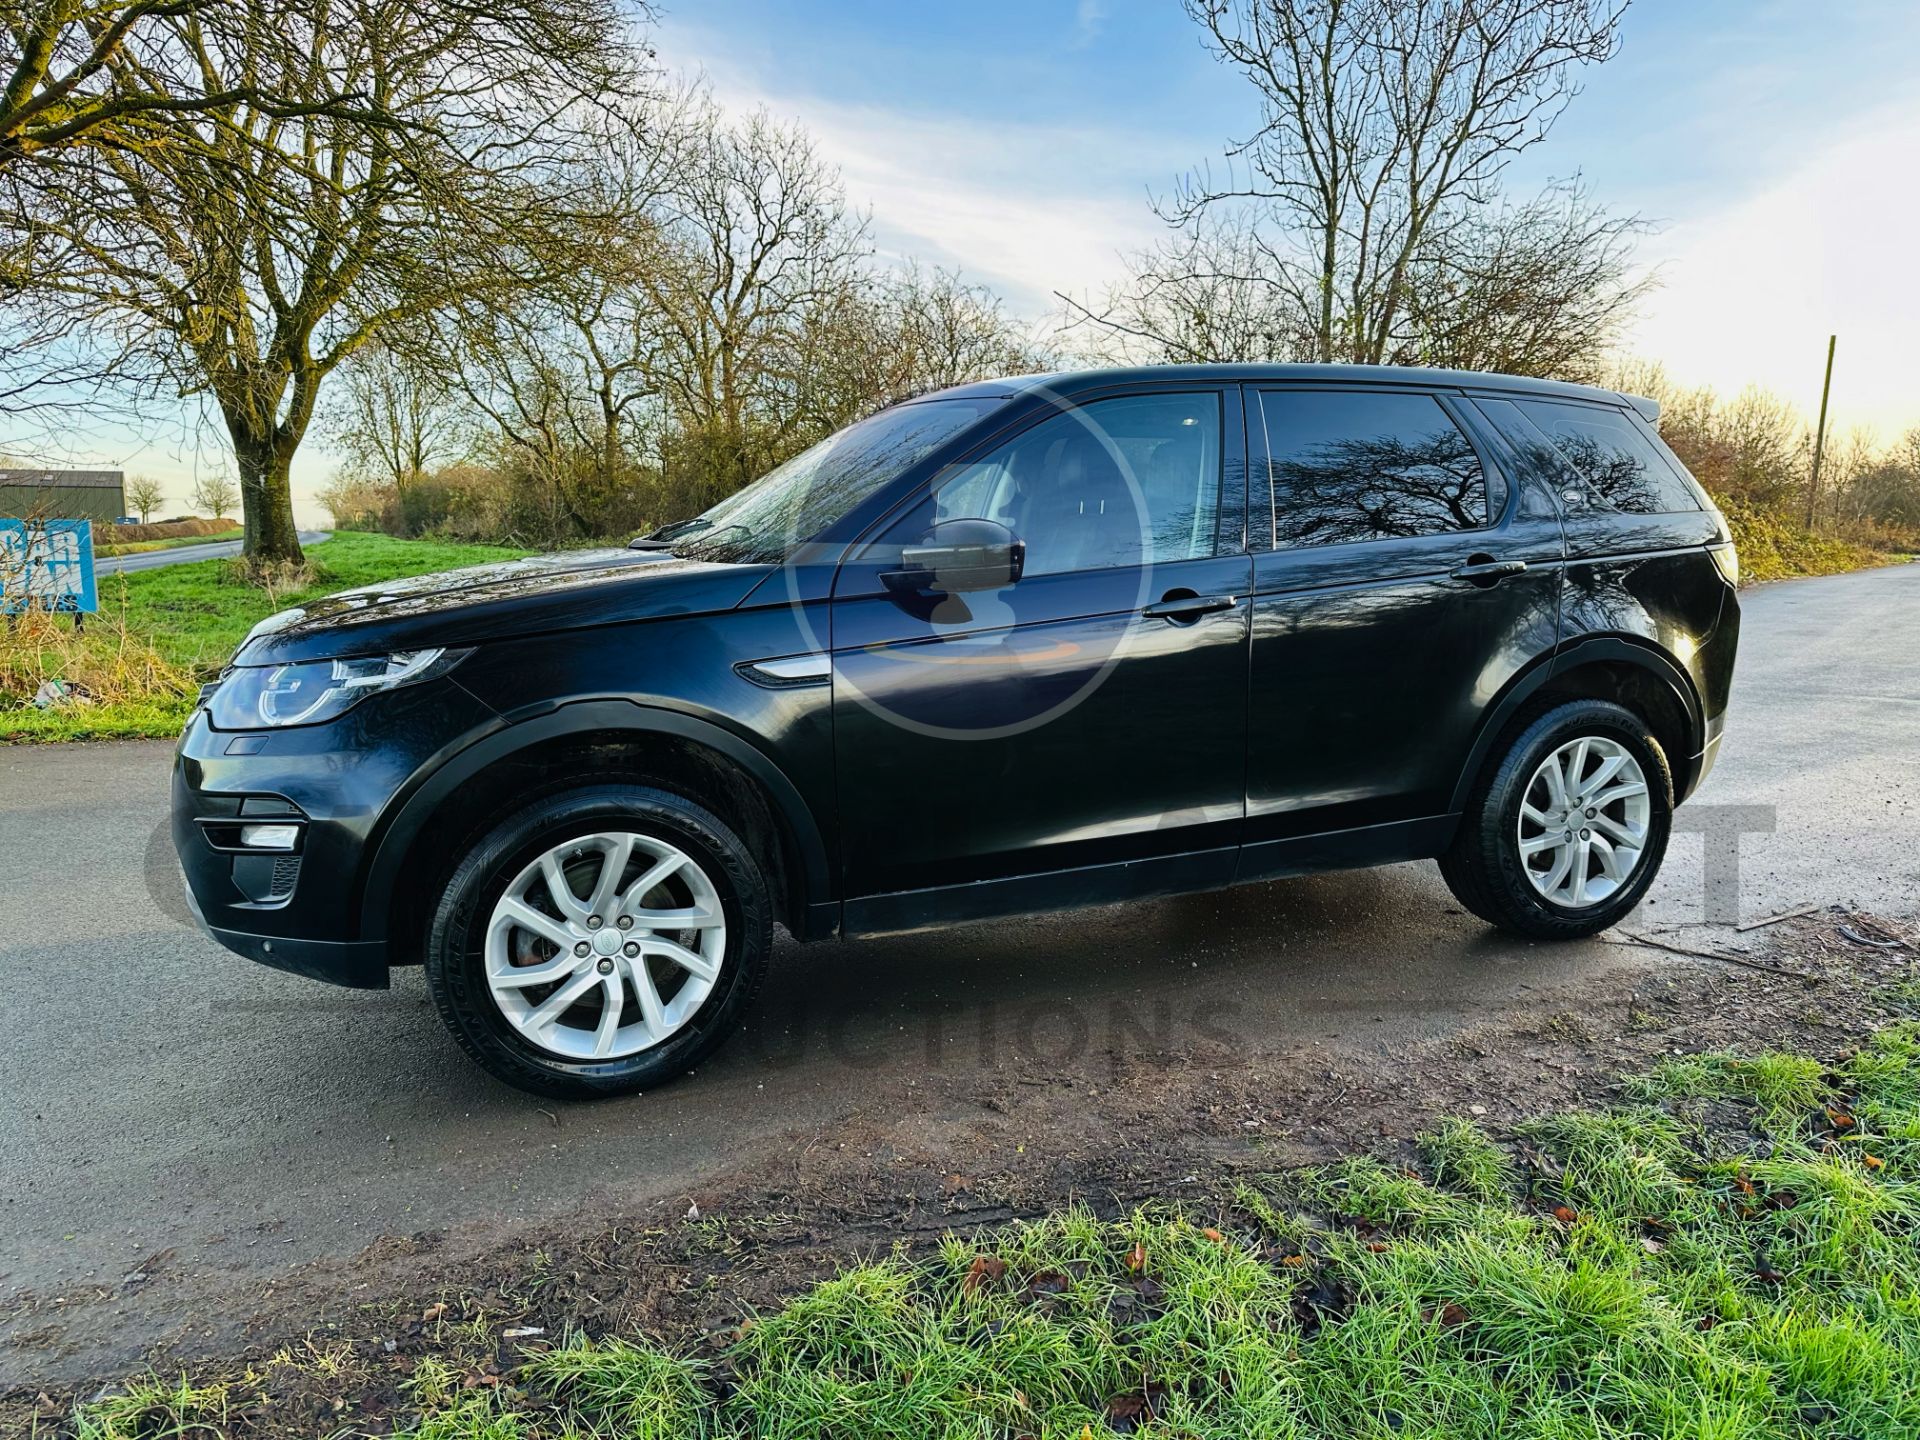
[
  {"x": 599, "y": 941},
  {"x": 1568, "y": 825}
]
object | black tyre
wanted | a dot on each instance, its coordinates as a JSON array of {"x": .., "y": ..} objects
[
  {"x": 600, "y": 941},
  {"x": 1568, "y": 824}
]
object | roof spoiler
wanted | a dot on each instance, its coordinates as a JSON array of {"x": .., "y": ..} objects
[{"x": 1648, "y": 408}]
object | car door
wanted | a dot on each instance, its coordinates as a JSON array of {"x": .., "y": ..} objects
[
  {"x": 1089, "y": 717},
  {"x": 1401, "y": 579}
]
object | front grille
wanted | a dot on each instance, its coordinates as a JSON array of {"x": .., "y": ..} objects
[{"x": 286, "y": 871}]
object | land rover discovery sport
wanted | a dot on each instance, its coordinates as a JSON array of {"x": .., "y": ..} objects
[{"x": 1016, "y": 646}]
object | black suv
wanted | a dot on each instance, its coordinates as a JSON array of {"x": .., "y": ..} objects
[{"x": 1016, "y": 646}]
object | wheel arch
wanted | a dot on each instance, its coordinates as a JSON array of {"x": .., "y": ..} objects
[
  {"x": 611, "y": 739},
  {"x": 1620, "y": 668}
]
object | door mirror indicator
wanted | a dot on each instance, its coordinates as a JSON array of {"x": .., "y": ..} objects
[{"x": 959, "y": 556}]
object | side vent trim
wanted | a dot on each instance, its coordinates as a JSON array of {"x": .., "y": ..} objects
[{"x": 788, "y": 672}]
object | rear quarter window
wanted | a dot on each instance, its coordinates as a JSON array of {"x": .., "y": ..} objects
[{"x": 1622, "y": 469}]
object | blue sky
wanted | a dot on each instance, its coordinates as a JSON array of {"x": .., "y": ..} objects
[{"x": 1776, "y": 144}]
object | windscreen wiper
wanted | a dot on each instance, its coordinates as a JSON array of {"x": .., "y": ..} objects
[{"x": 664, "y": 537}]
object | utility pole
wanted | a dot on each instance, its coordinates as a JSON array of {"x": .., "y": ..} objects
[{"x": 1820, "y": 435}]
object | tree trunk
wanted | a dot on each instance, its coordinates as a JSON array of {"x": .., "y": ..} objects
[{"x": 266, "y": 498}]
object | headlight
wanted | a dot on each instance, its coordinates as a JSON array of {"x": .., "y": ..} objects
[{"x": 315, "y": 691}]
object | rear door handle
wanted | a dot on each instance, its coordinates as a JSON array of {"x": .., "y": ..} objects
[
  {"x": 1488, "y": 571},
  {"x": 1183, "y": 609}
]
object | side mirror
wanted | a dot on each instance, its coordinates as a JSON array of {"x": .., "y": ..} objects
[{"x": 958, "y": 556}]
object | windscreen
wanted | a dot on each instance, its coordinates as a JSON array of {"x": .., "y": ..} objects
[{"x": 762, "y": 523}]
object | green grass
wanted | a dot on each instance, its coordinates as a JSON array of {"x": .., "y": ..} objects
[
  {"x": 1462, "y": 1157},
  {"x": 182, "y": 623},
  {"x": 1734, "y": 1252},
  {"x": 197, "y": 613},
  {"x": 118, "y": 720},
  {"x": 1782, "y": 1088},
  {"x": 157, "y": 1408}
]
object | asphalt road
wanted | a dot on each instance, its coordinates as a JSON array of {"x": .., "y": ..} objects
[
  {"x": 181, "y": 554},
  {"x": 158, "y": 1093}
]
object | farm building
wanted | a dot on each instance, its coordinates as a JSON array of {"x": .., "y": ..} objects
[{"x": 95, "y": 495}]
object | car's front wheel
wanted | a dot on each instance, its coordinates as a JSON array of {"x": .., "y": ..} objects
[
  {"x": 599, "y": 941},
  {"x": 1567, "y": 828}
]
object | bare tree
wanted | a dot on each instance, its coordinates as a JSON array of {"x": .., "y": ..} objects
[
  {"x": 215, "y": 493},
  {"x": 521, "y": 383},
  {"x": 396, "y": 418},
  {"x": 354, "y": 501},
  {"x": 145, "y": 495},
  {"x": 754, "y": 243},
  {"x": 1766, "y": 446},
  {"x": 1210, "y": 293},
  {"x": 569, "y": 369},
  {"x": 244, "y": 250},
  {"x": 1383, "y": 125},
  {"x": 1540, "y": 288},
  {"x": 1536, "y": 289},
  {"x": 60, "y": 83},
  {"x": 1886, "y": 489},
  {"x": 714, "y": 311},
  {"x": 681, "y": 313},
  {"x": 902, "y": 332}
]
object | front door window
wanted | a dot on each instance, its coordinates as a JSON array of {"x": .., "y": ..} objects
[{"x": 1129, "y": 481}]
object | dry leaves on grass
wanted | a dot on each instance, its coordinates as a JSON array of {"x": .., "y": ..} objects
[
  {"x": 1129, "y": 1412},
  {"x": 986, "y": 1270}
]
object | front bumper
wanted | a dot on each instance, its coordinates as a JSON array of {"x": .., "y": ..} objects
[
  {"x": 300, "y": 911},
  {"x": 1703, "y": 762},
  {"x": 358, "y": 964}
]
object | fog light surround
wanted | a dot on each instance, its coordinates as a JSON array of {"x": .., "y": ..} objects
[{"x": 269, "y": 837}]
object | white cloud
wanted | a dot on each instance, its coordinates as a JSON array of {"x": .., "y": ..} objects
[
  {"x": 1089, "y": 19},
  {"x": 1028, "y": 209},
  {"x": 1751, "y": 292}
]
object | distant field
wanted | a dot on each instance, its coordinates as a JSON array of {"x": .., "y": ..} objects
[
  {"x": 196, "y": 615},
  {"x": 190, "y": 526},
  {"x": 141, "y": 547},
  {"x": 161, "y": 632}
]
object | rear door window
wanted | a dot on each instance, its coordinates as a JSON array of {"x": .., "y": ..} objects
[
  {"x": 1622, "y": 469},
  {"x": 1347, "y": 465}
]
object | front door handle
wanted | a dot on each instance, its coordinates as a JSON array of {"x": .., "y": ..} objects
[
  {"x": 1184, "y": 607},
  {"x": 1485, "y": 570}
]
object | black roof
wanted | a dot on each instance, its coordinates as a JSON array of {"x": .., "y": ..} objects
[{"x": 1068, "y": 381}]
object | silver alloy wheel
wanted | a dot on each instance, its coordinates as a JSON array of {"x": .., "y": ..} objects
[
  {"x": 605, "y": 946},
  {"x": 1583, "y": 822}
]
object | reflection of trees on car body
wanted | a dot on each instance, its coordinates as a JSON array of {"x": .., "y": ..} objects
[{"x": 1362, "y": 465}]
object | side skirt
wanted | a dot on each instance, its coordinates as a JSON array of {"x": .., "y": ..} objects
[
  {"x": 909, "y": 910},
  {"x": 1353, "y": 849}
]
